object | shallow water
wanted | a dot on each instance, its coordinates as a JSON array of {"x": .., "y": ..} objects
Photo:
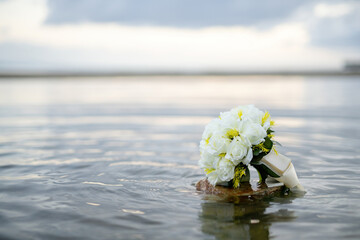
[{"x": 116, "y": 158}]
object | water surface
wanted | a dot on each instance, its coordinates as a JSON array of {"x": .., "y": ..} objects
[{"x": 116, "y": 158}]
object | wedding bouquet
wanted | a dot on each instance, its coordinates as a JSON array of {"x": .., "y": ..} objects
[{"x": 240, "y": 137}]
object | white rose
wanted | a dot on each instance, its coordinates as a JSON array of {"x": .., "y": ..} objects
[
  {"x": 211, "y": 128},
  {"x": 213, "y": 178},
  {"x": 234, "y": 129},
  {"x": 221, "y": 171},
  {"x": 208, "y": 161},
  {"x": 225, "y": 170},
  {"x": 238, "y": 112},
  {"x": 238, "y": 149},
  {"x": 202, "y": 146},
  {"x": 254, "y": 132},
  {"x": 218, "y": 144},
  {"x": 252, "y": 113},
  {"x": 227, "y": 116},
  {"x": 248, "y": 157},
  {"x": 228, "y": 122}
]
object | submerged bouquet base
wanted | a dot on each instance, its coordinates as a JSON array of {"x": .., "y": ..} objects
[
  {"x": 237, "y": 139},
  {"x": 246, "y": 189}
]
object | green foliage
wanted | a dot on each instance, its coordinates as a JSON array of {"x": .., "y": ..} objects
[
  {"x": 269, "y": 131},
  {"x": 260, "y": 150},
  {"x": 263, "y": 171},
  {"x": 242, "y": 174}
]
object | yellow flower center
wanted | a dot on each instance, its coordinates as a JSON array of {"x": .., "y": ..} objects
[
  {"x": 239, "y": 172},
  {"x": 272, "y": 123},
  {"x": 265, "y": 118},
  {"x": 261, "y": 147},
  {"x": 209, "y": 170},
  {"x": 232, "y": 133}
]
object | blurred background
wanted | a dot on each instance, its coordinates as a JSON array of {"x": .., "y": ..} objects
[
  {"x": 103, "y": 105},
  {"x": 178, "y": 36}
]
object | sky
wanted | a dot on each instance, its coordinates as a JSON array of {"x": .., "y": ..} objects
[{"x": 178, "y": 35}]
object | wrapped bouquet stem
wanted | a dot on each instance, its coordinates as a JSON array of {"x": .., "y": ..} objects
[
  {"x": 241, "y": 137},
  {"x": 279, "y": 167}
]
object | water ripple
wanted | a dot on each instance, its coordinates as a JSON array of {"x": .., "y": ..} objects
[{"x": 117, "y": 159}]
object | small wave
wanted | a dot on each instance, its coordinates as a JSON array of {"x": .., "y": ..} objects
[{"x": 103, "y": 184}]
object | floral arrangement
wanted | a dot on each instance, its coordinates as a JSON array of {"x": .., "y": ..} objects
[{"x": 231, "y": 142}]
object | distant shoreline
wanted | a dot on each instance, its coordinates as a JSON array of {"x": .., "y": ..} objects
[{"x": 151, "y": 74}]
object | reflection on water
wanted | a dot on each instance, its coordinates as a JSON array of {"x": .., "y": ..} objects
[
  {"x": 117, "y": 158},
  {"x": 229, "y": 217},
  {"x": 189, "y": 92},
  {"x": 245, "y": 220},
  {"x": 103, "y": 184}
]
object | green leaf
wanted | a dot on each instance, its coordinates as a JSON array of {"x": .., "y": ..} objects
[
  {"x": 258, "y": 157},
  {"x": 256, "y": 152},
  {"x": 268, "y": 143},
  {"x": 269, "y": 131},
  {"x": 263, "y": 171},
  {"x": 277, "y": 143}
]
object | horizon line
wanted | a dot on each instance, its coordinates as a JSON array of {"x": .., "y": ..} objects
[{"x": 29, "y": 74}]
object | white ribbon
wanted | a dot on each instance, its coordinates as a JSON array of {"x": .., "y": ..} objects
[{"x": 282, "y": 166}]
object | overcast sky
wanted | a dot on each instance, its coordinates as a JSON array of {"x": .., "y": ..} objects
[{"x": 178, "y": 35}]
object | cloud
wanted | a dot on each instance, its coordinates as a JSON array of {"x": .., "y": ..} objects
[
  {"x": 174, "y": 13},
  {"x": 27, "y": 41},
  {"x": 218, "y": 48},
  {"x": 323, "y": 10},
  {"x": 336, "y": 25},
  {"x": 333, "y": 22}
]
